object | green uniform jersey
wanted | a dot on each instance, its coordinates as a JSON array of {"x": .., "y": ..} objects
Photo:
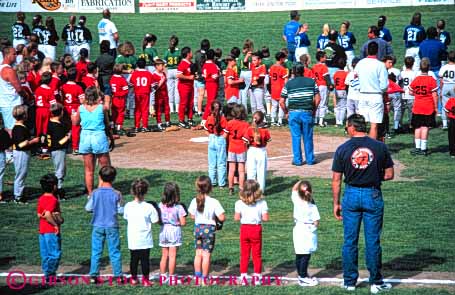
[
  {"x": 172, "y": 59},
  {"x": 150, "y": 54},
  {"x": 241, "y": 65},
  {"x": 288, "y": 64},
  {"x": 129, "y": 61},
  {"x": 268, "y": 62}
]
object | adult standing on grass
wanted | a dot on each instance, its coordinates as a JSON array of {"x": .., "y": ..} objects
[
  {"x": 108, "y": 31},
  {"x": 374, "y": 81},
  {"x": 290, "y": 31},
  {"x": 95, "y": 130},
  {"x": 365, "y": 163},
  {"x": 384, "y": 48},
  {"x": 413, "y": 35},
  {"x": 303, "y": 99}
]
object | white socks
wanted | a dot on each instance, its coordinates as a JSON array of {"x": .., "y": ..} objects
[
  {"x": 171, "y": 108},
  {"x": 418, "y": 143},
  {"x": 396, "y": 124},
  {"x": 444, "y": 123},
  {"x": 423, "y": 144}
]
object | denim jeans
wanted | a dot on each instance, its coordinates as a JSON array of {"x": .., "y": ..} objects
[
  {"x": 50, "y": 246},
  {"x": 367, "y": 204},
  {"x": 99, "y": 236},
  {"x": 217, "y": 159},
  {"x": 301, "y": 126}
]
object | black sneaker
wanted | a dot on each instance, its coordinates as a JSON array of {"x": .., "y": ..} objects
[
  {"x": 20, "y": 200},
  {"x": 143, "y": 130},
  {"x": 191, "y": 123},
  {"x": 121, "y": 132},
  {"x": 61, "y": 194},
  {"x": 184, "y": 124},
  {"x": 136, "y": 130},
  {"x": 167, "y": 124},
  {"x": 297, "y": 164},
  {"x": 423, "y": 153},
  {"x": 160, "y": 127},
  {"x": 415, "y": 151}
]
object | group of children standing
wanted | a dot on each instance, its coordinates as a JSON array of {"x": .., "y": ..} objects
[{"x": 105, "y": 203}]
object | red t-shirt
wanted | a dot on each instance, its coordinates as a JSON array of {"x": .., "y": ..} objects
[
  {"x": 142, "y": 81},
  {"x": 236, "y": 129},
  {"x": 307, "y": 72},
  {"x": 209, "y": 125},
  {"x": 423, "y": 87},
  {"x": 72, "y": 94},
  {"x": 44, "y": 97},
  {"x": 320, "y": 70},
  {"x": 339, "y": 77},
  {"x": 81, "y": 70},
  {"x": 33, "y": 79},
  {"x": 89, "y": 81},
  {"x": 449, "y": 108},
  {"x": 47, "y": 202},
  {"x": 161, "y": 92},
  {"x": 55, "y": 83},
  {"x": 119, "y": 86},
  {"x": 394, "y": 88},
  {"x": 278, "y": 75},
  {"x": 210, "y": 72},
  {"x": 184, "y": 68},
  {"x": 257, "y": 73},
  {"x": 264, "y": 135},
  {"x": 231, "y": 90}
]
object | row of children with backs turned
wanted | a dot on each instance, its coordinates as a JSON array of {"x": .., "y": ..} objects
[{"x": 208, "y": 215}]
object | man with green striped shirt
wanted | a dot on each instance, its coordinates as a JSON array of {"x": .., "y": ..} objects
[{"x": 299, "y": 100}]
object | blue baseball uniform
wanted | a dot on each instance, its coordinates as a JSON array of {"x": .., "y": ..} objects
[
  {"x": 322, "y": 42},
  {"x": 385, "y": 35},
  {"x": 413, "y": 35},
  {"x": 347, "y": 41}
]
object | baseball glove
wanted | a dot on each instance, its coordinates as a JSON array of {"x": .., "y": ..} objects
[{"x": 172, "y": 128}]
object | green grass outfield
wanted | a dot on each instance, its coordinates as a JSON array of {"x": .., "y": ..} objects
[
  {"x": 418, "y": 223},
  {"x": 226, "y": 30}
]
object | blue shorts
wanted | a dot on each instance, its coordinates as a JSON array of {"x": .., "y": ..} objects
[
  {"x": 199, "y": 84},
  {"x": 7, "y": 115},
  {"x": 93, "y": 142},
  {"x": 107, "y": 89}
]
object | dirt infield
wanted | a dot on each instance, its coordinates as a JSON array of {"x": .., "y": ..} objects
[{"x": 174, "y": 151}]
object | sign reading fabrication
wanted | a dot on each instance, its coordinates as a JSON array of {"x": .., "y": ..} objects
[
  {"x": 81, "y": 6},
  {"x": 220, "y": 5}
]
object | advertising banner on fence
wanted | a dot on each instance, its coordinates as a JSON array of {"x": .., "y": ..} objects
[
  {"x": 217, "y": 5},
  {"x": 146, "y": 6},
  {"x": 81, "y": 6},
  {"x": 272, "y": 5}
]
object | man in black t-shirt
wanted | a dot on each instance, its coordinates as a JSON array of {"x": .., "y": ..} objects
[
  {"x": 105, "y": 63},
  {"x": 365, "y": 163},
  {"x": 334, "y": 53}
]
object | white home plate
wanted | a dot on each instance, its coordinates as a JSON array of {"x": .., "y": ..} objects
[{"x": 200, "y": 139}]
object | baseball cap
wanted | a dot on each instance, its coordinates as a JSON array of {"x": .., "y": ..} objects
[{"x": 294, "y": 13}]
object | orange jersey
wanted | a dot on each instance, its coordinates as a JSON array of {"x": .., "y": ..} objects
[
  {"x": 256, "y": 74},
  {"x": 423, "y": 88},
  {"x": 320, "y": 70},
  {"x": 231, "y": 90},
  {"x": 72, "y": 94},
  {"x": 307, "y": 72},
  {"x": 119, "y": 86},
  {"x": 264, "y": 137},
  {"x": 142, "y": 81},
  {"x": 339, "y": 77},
  {"x": 81, "y": 70},
  {"x": 278, "y": 75},
  {"x": 236, "y": 130},
  {"x": 449, "y": 108},
  {"x": 209, "y": 125},
  {"x": 89, "y": 81},
  {"x": 210, "y": 72}
]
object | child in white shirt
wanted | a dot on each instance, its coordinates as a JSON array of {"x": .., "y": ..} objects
[
  {"x": 306, "y": 218},
  {"x": 140, "y": 216},
  {"x": 251, "y": 210}
]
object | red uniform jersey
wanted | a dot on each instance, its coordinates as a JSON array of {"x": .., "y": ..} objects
[
  {"x": 449, "y": 108},
  {"x": 231, "y": 90},
  {"x": 423, "y": 87},
  {"x": 394, "y": 88},
  {"x": 89, "y": 81},
  {"x": 119, "y": 86},
  {"x": 236, "y": 130},
  {"x": 33, "y": 79},
  {"x": 257, "y": 73},
  {"x": 307, "y": 72},
  {"x": 210, "y": 72},
  {"x": 161, "y": 91},
  {"x": 142, "y": 81},
  {"x": 264, "y": 137},
  {"x": 47, "y": 202},
  {"x": 81, "y": 70},
  {"x": 338, "y": 78},
  {"x": 184, "y": 69},
  {"x": 72, "y": 94},
  {"x": 44, "y": 96},
  {"x": 320, "y": 70},
  {"x": 209, "y": 125},
  {"x": 278, "y": 74},
  {"x": 29, "y": 98}
]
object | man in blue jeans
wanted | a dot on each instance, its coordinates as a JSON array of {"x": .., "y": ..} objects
[
  {"x": 365, "y": 163},
  {"x": 299, "y": 100}
]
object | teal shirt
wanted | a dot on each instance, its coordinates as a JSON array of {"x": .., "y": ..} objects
[
  {"x": 94, "y": 120},
  {"x": 299, "y": 93}
]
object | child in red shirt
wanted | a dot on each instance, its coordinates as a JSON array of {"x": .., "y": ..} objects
[
  {"x": 90, "y": 79},
  {"x": 278, "y": 77},
  {"x": 321, "y": 72},
  {"x": 50, "y": 220},
  {"x": 449, "y": 108},
  {"x": 119, "y": 87},
  {"x": 211, "y": 73},
  {"x": 81, "y": 65},
  {"x": 185, "y": 76},
  {"x": 425, "y": 91},
  {"x": 161, "y": 94},
  {"x": 232, "y": 81},
  {"x": 237, "y": 148},
  {"x": 257, "y": 137},
  {"x": 44, "y": 97},
  {"x": 340, "y": 93},
  {"x": 142, "y": 84},
  {"x": 258, "y": 73}
]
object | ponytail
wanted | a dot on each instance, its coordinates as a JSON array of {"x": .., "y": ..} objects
[
  {"x": 258, "y": 119},
  {"x": 203, "y": 188},
  {"x": 305, "y": 191},
  {"x": 215, "y": 111}
]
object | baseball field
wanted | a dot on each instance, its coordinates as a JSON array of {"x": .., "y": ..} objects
[{"x": 418, "y": 236}]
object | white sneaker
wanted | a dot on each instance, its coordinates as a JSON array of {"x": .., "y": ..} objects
[
  {"x": 375, "y": 289},
  {"x": 348, "y": 288},
  {"x": 243, "y": 279},
  {"x": 256, "y": 279},
  {"x": 308, "y": 282}
]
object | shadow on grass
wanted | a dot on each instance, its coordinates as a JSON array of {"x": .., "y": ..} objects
[
  {"x": 279, "y": 184},
  {"x": 415, "y": 262}
]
